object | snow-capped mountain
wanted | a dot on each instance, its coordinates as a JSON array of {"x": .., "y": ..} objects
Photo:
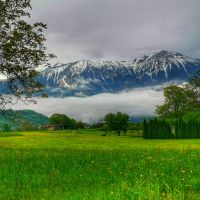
[{"x": 86, "y": 77}]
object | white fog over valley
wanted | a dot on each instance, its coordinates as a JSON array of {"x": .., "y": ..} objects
[{"x": 138, "y": 102}]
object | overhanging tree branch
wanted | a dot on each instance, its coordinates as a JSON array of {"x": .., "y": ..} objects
[{"x": 22, "y": 50}]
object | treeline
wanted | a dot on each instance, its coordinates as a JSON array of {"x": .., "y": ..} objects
[
  {"x": 160, "y": 129},
  {"x": 156, "y": 129},
  {"x": 118, "y": 122},
  {"x": 23, "y": 125},
  {"x": 62, "y": 121},
  {"x": 180, "y": 110},
  {"x": 113, "y": 122},
  {"x": 188, "y": 130}
]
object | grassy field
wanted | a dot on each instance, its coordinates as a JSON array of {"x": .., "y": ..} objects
[{"x": 70, "y": 165}]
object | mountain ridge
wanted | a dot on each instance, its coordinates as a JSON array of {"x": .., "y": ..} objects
[{"x": 85, "y": 77}]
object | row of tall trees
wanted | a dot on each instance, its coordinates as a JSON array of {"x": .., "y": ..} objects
[
  {"x": 160, "y": 129},
  {"x": 184, "y": 130},
  {"x": 156, "y": 129}
]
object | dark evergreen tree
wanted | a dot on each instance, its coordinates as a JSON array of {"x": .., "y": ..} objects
[{"x": 157, "y": 129}]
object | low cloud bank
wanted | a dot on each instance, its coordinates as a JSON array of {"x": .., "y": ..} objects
[{"x": 138, "y": 102}]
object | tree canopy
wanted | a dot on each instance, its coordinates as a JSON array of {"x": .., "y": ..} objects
[
  {"x": 181, "y": 99},
  {"x": 117, "y": 122},
  {"x": 22, "y": 50},
  {"x": 194, "y": 84},
  {"x": 63, "y": 120}
]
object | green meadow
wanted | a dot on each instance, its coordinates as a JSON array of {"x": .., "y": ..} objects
[{"x": 83, "y": 164}]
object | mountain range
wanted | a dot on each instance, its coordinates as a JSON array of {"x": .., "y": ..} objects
[{"x": 85, "y": 77}]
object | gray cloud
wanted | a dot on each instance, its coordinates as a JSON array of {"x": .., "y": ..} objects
[
  {"x": 138, "y": 102},
  {"x": 111, "y": 29}
]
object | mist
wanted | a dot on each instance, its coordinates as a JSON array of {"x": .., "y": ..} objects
[{"x": 137, "y": 102}]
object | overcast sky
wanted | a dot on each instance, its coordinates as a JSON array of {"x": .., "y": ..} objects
[{"x": 119, "y": 29}]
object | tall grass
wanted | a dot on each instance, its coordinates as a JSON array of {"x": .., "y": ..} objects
[{"x": 70, "y": 174}]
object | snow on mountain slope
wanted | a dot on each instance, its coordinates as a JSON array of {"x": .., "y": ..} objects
[
  {"x": 164, "y": 61},
  {"x": 86, "y": 77}
]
